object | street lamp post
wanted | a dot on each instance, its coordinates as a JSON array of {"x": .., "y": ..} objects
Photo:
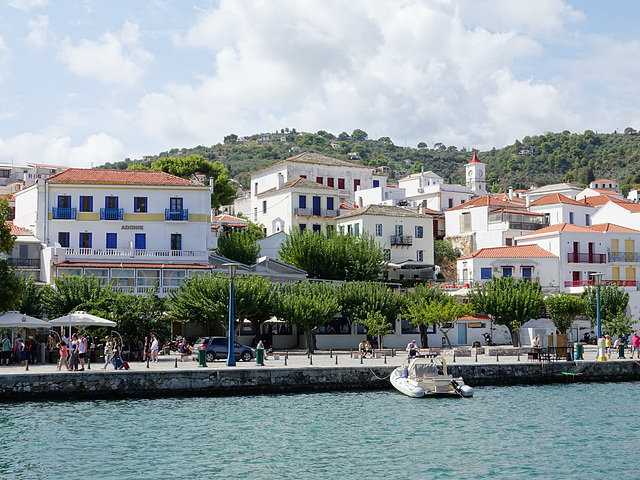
[
  {"x": 231, "y": 357},
  {"x": 597, "y": 280}
]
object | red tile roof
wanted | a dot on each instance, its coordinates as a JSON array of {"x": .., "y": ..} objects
[
  {"x": 553, "y": 198},
  {"x": 561, "y": 227},
  {"x": 630, "y": 207},
  {"x": 485, "y": 201},
  {"x": 602, "y": 180},
  {"x": 16, "y": 230},
  {"x": 505, "y": 198},
  {"x": 118, "y": 177},
  {"x": 605, "y": 191},
  {"x": 612, "y": 227},
  {"x": 597, "y": 200},
  {"x": 475, "y": 159},
  {"x": 475, "y": 318},
  {"x": 518, "y": 251}
]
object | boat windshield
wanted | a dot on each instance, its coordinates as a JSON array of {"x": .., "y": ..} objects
[{"x": 423, "y": 370}]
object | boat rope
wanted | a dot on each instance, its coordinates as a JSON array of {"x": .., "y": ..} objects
[{"x": 379, "y": 378}]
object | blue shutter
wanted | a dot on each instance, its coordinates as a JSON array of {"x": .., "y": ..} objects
[{"x": 112, "y": 240}]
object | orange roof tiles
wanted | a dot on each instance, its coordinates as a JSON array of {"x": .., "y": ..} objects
[
  {"x": 598, "y": 200},
  {"x": 605, "y": 191},
  {"x": 505, "y": 198},
  {"x": 118, "y": 177},
  {"x": 612, "y": 227},
  {"x": 561, "y": 227},
  {"x": 475, "y": 158},
  {"x": 518, "y": 251},
  {"x": 485, "y": 201},
  {"x": 603, "y": 180},
  {"x": 630, "y": 207},
  {"x": 16, "y": 230},
  {"x": 553, "y": 198}
]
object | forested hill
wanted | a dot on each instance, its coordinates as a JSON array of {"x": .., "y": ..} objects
[{"x": 535, "y": 160}]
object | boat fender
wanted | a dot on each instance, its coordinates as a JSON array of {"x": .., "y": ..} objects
[{"x": 406, "y": 372}]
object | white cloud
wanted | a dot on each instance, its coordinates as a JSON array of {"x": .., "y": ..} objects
[
  {"x": 117, "y": 58},
  {"x": 57, "y": 149},
  {"x": 27, "y": 5},
  {"x": 5, "y": 56},
  {"x": 39, "y": 32}
]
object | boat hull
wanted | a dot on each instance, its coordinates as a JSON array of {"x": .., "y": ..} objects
[{"x": 437, "y": 386}]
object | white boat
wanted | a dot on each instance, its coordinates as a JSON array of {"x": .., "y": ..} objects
[{"x": 425, "y": 376}]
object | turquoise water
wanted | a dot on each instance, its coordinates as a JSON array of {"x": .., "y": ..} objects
[{"x": 558, "y": 431}]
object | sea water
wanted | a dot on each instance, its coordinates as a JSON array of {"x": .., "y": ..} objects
[{"x": 555, "y": 431}]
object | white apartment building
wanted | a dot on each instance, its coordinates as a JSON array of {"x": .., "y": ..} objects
[
  {"x": 619, "y": 213},
  {"x": 406, "y": 237},
  {"x": 16, "y": 177},
  {"x": 558, "y": 208},
  {"x": 594, "y": 192},
  {"x": 132, "y": 229},
  {"x": 604, "y": 184},
  {"x": 298, "y": 203},
  {"x": 567, "y": 189}
]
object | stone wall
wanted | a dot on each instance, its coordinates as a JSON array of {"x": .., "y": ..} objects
[{"x": 74, "y": 386}]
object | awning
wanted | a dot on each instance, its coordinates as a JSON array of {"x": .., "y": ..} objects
[{"x": 15, "y": 319}]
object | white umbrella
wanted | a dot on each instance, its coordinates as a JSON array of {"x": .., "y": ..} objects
[
  {"x": 81, "y": 319},
  {"x": 15, "y": 319}
]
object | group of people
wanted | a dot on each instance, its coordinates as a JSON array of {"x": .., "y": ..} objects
[
  {"x": 22, "y": 351},
  {"x": 73, "y": 352},
  {"x": 365, "y": 349},
  {"x": 150, "y": 348}
]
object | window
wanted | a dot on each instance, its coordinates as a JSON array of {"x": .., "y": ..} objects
[
  {"x": 147, "y": 277},
  {"x": 255, "y": 214},
  {"x": 419, "y": 231},
  {"x": 378, "y": 229},
  {"x": 570, "y": 217},
  {"x": 303, "y": 176},
  {"x": 176, "y": 241},
  {"x": 64, "y": 201},
  {"x": 303, "y": 227},
  {"x": 330, "y": 229},
  {"x": 337, "y": 326},
  {"x": 408, "y": 327},
  {"x": 112, "y": 240},
  {"x": 101, "y": 274},
  {"x": 111, "y": 203},
  {"x": 399, "y": 230},
  {"x": 63, "y": 239},
  {"x": 5, "y": 173},
  {"x": 123, "y": 277},
  {"x": 329, "y": 181},
  {"x": 319, "y": 180},
  {"x": 329, "y": 203},
  {"x": 302, "y": 201},
  {"x": 264, "y": 206},
  {"x": 485, "y": 273},
  {"x": 508, "y": 242},
  {"x": 507, "y": 271},
  {"x": 527, "y": 273},
  {"x": 341, "y": 183},
  {"x": 255, "y": 188},
  {"x": 387, "y": 254},
  {"x": 356, "y": 183},
  {"x": 587, "y": 219},
  {"x": 376, "y": 183},
  {"x": 172, "y": 278},
  {"x": 141, "y": 241},
  {"x": 316, "y": 227},
  {"x": 451, "y": 203},
  {"x": 420, "y": 256},
  {"x": 86, "y": 204},
  {"x": 465, "y": 222},
  {"x": 84, "y": 240},
  {"x": 175, "y": 204},
  {"x": 140, "y": 204},
  {"x": 356, "y": 229}
]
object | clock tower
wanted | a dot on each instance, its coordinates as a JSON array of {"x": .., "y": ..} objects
[{"x": 476, "y": 181}]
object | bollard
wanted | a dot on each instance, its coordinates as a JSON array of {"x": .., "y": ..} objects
[
  {"x": 351, "y": 354},
  {"x": 27, "y": 364},
  {"x": 286, "y": 354},
  {"x": 310, "y": 359},
  {"x": 454, "y": 356},
  {"x": 88, "y": 363},
  {"x": 497, "y": 360},
  {"x": 176, "y": 365},
  {"x": 147, "y": 362},
  {"x": 330, "y": 353},
  {"x": 361, "y": 357},
  {"x": 385, "y": 358},
  {"x": 476, "y": 356},
  {"x": 285, "y": 361},
  {"x": 518, "y": 355},
  {"x": 336, "y": 358}
]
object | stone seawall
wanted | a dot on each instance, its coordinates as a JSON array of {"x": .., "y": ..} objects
[{"x": 219, "y": 382}]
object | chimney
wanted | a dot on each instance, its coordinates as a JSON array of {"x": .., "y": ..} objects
[
  {"x": 360, "y": 202},
  {"x": 528, "y": 202},
  {"x": 280, "y": 181},
  {"x": 511, "y": 193}
]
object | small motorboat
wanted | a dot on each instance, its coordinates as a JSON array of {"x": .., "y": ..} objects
[{"x": 425, "y": 376}]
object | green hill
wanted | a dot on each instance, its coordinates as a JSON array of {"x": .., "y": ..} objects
[{"x": 536, "y": 160}]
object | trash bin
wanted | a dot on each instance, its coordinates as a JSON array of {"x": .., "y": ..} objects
[
  {"x": 260, "y": 356},
  {"x": 579, "y": 351},
  {"x": 166, "y": 350},
  {"x": 202, "y": 358},
  {"x": 620, "y": 351}
]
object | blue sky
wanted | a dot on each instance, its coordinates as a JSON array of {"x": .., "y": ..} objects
[{"x": 91, "y": 81}]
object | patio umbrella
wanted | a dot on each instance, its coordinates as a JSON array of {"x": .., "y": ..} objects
[
  {"x": 15, "y": 319},
  {"x": 81, "y": 319}
]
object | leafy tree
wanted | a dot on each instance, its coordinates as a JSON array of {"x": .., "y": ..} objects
[
  {"x": 422, "y": 294},
  {"x": 359, "y": 135},
  {"x": 139, "y": 315},
  {"x": 563, "y": 309},
  {"x": 6, "y": 239},
  {"x": 307, "y": 305},
  {"x": 11, "y": 288},
  {"x": 74, "y": 293},
  {"x": 31, "y": 302},
  {"x": 333, "y": 256},
  {"x": 613, "y": 304},
  {"x": 239, "y": 246},
  {"x": 422, "y": 145},
  {"x": 510, "y": 303},
  {"x": 376, "y": 324},
  {"x": 232, "y": 138},
  {"x": 442, "y": 249},
  {"x": 256, "y": 231},
  {"x": 431, "y": 306},
  {"x": 137, "y": 166}
]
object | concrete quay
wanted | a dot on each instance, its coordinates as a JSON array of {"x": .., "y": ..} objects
[{"x": 320, "y": 372}]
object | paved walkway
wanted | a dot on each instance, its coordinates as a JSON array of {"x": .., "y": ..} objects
[{"x": 297, "y": 359}]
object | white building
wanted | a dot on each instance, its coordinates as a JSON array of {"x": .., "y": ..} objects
[
  {"x": 604, "y": 184},
  {"x": 132, "y": 229},
  {"x": 405, "y": 236},
  {"x": 558, "y": 208},
  {"x": 594, "y": 192},
  {"x": 567, "y": 189},
  {"x": 16, "y": 177},
  {"x": 619, "y": 213}
]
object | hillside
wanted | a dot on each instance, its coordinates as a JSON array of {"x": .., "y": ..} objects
[{"x": 535, "y": 160}]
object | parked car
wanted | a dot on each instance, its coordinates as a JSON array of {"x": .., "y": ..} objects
[{"x": 216, "y": 348}]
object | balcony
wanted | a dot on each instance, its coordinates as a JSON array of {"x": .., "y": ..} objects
[
  {"x": 589, "y": 283},
  {"x": 117, "y": 255},
  {"x": 526, "y": 226},
  {"x": 317, "y": 212},
  {"x": 624, "y": 257},
  {"x": 181, "y": 215},
  {"x": 24, "y": 263},
  {"x": 405, "y": 240},
  {"x": 64, "y": 213},
  {"x": 112, "y": 214},
  {"x": 574, "y": 257}
]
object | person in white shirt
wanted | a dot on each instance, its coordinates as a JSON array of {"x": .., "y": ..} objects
[
  {"x": 154, "y": 348},
  {"x": 82, "y": 350}
]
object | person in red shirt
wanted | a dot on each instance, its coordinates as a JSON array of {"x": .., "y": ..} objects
[{"x": 635, "y": 345}]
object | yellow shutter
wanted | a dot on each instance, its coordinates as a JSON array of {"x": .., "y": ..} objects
[
  {"x": 615, "y": 245},
  {"x": 615, "y": 273},
  {"x": 629, "y": 246},
  {"x": 630, "y": 274}
]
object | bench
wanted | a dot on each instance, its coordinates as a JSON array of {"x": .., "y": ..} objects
[{"x": 276, "y": 355}]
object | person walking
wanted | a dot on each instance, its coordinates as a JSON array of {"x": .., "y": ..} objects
[
  {"x": 64, "y": 356},
  {"x": 108, "y": 352},
  {"x": 635, "y": 345},
  {"x": 73, "y": 358},
  {"x": 82, "y": 350},
  {"x": 154, "y": 348},
  {"x": 22, "y": 352},
  {"x": 145, "y": 350},
  {"x": 6, "y": 349}
]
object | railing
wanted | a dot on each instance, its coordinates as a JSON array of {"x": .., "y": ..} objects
[
  {"x": 112, "y": 214},
  {"x": 525, "y": 226},
  {"x": 573, "y": 257},
  {"x": 24, "y": 262},
  {"x": 623, "y": 257},
  {"x": 143, "y": 289},
  {"x": 64, "y": 213},
  {"x": 134, "y": 253},
  {"x": 401, "y": 240},
  {"x": 181, "y": 215},
  {"x": 589, "y": 283},
  {"x": 310, "y": 212}
]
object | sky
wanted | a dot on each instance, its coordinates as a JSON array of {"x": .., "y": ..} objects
[{"x": 86, "y": 82}]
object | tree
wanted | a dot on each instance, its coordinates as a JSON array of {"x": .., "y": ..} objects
[
  {"x": 6, "y": 239},
  {"x": 224, "y": 192},
  {"x": 509, "y": 303},
  {"x": 307, "y": 305},
  {"x": 422, "y": 294},
  {"x": 563, "y": 309},
  {"x": 11, "y": 287},
  {"x": 422, "y": 146},
  {"x": 137, "y": 166},
  {"x": 239, "y": 246},
  {"x": 139, "y": 315},
  {"x": 31, "y": 302},
  {"x": 359, "y": 135},
  {"x": 73, "y": 293},
  {"x": 376, "y": 324},
  {"x": 333, "y": 256},
  {"x": 613, "y": 304},
  {"x": 429, "y": 305},
  {"x": 442, "y": 249}
]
